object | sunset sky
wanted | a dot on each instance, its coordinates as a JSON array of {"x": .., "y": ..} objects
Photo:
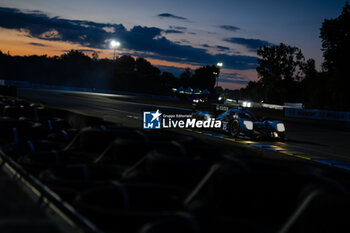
[{"x": 172, "y": 35}]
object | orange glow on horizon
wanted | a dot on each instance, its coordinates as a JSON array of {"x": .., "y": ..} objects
[{"x": 19, "y": 43}]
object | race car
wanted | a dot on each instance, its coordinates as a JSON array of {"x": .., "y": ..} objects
[{"x": 243, "y": 123}]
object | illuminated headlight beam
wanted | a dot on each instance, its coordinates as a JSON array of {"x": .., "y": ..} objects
[
  {"x": 248, "y": 125},
  {"x": 247, "y": 104},
  {"x": 280, "y": 127}
]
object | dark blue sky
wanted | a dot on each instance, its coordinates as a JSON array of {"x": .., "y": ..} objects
[{"x": 207, "y": 31}]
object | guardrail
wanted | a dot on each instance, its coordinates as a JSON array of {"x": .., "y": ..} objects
[
  {"x": 317, "y": 114},
  {"x": 273, "y": 106},
  {"x": 295, "y": 110},
  {"x": 25, "y": 84}
]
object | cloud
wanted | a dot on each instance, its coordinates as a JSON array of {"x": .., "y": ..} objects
[
  {"x": 219, "y": 47},
  {"x": 168, "y": 15},
  {"x": 94, "y": 36},
  {"x": 222, "y": 47},
  {"x": 251, "y": 44},
  {"x": 178, "y": 27},
  {"x": 84, "y": 51},
  {"x": 229, "y": 28},
  {"x": 233, "y": 78},
  {"x": 37, "y": 44},
  {"x": 39, "y": 25},
  {"x": 173, "y": 31}
]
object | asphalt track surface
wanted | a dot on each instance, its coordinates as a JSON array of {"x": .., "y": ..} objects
[{"x": 319, "y": 142}]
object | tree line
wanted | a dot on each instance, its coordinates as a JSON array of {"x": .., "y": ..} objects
[
  {"x": 125, "y": 73},
  {"x": 284, "y": 75}
]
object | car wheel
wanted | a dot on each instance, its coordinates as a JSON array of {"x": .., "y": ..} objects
[{"x": 235, "y": 128}]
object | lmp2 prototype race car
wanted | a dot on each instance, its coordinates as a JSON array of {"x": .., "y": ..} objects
[{"x": 239, "y": 122}]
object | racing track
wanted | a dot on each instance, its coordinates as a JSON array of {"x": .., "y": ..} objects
[{"x": 321, "y": 143}]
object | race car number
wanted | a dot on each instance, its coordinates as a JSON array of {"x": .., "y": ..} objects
[{"x": 221, "y": 108}]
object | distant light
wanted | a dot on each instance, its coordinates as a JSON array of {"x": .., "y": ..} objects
[
  {"x": 220, "y": 64},
  {"x": 115, "y": 44}
]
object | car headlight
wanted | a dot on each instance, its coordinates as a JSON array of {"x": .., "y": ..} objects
[
  {"x": 248, "y": 124},
  {"x": 247, "y": 104},
  {"x": 280, "y": 127}
]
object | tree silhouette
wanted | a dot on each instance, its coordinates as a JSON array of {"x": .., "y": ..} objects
[
  {"x": 185, "y": 78},
  {"x": 205, "y": 77},
  {"x": 126, "y": 63},
  {"x": 145, "y": 67},
  {"x": 124, "y": 73},
  {"x": 335, "y": 34},
  {"x": 279, "y": 67},
  {"x": 314, "y": 86},
  {"x": 94, "y": 55},
  {"x": 169, "y": 81}
]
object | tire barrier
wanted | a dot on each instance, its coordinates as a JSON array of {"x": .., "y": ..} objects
[{"x": 142, "y": 181}]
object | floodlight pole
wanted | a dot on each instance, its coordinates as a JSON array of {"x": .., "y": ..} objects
[
  {"x": 114, "y": 44},
  {"x": 219, "y": 64}
]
